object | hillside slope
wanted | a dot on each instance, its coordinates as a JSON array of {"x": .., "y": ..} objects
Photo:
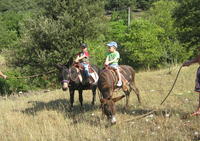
[{"x": 45, "y": 116}]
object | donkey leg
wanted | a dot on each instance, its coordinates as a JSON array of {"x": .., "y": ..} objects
[
  {"x": 137, "y": 92},
  {"x": 127, "y": 93},
  {"x": 81, "y": 97},
  {"x": 94, "y": 94},
  {"x": 71, "y": 91}
]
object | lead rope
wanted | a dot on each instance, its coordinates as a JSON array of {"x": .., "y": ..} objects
[
  {"x": 32, "y": 76},
  {"x": 144, "y": 115},
  {"x": 172, "y": 86}
]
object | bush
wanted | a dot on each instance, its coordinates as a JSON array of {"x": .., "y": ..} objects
[
  {"x": 141, "y": 46},
  {"x": 187, "y": 20},
  {"x": 97, "y": 53},
  {"x": 12, "y": 84}
]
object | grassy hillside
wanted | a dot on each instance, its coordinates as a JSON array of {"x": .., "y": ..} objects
[{"x": 45, "y": 115}]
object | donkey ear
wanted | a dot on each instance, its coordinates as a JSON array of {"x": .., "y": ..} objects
[
  {"x": 70, "y": 62},
  {"x": 118, "y": 98}
]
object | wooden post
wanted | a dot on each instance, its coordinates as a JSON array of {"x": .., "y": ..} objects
[{"x": 129, "y": 16}]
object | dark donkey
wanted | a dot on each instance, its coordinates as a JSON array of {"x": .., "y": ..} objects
[
  {"x": 106, "y": 85},
  {"x": 69, "y": 79}
]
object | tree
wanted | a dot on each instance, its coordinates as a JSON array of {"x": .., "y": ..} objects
[
  {"x": 116, "y": 5},
  {"x": 141, "y": 46},
  {"x": 116, "y": 31},
  {"x": 145, "y": 4},
  {"x": 20, "y": 5},
  {"x": 10, "y": 29},
  {"x": 54, "y": 37},
  {"x": 187, "y": 20},
  {"x": 161, "y": 14},
  {"x": 12, "y": 14}
]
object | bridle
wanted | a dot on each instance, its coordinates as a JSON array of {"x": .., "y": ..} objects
[{"x": 70, "y": 77}]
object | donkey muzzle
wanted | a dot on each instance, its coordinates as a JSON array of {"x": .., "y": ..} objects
[{"x": 65, "y": 86}]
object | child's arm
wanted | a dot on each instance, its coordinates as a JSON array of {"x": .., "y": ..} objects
[
  {"x": 115, "y": 59},
  {"x": 106, "y": 62},
  {"x": 109, "y": 62},
  {"x": 2, "y": 75},
  {"x": 79, "y": 58}
]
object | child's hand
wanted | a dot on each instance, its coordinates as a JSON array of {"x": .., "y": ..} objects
[
  {"x": 4, "y": 76},
  {"x": 76, "y": 60},
  {"x": 106, "y": 63}
]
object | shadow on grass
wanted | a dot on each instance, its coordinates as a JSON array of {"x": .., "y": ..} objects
[
  {"x": 59, "y": 105},
  {"x": 85, "y": 114},
  {"x": 77, "y": 114}
]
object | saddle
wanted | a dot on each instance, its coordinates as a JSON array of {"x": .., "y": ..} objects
[
  {"x": 93, "y": 74},
  {"x": 81, "y": 68},
  {"x": 115, "y": 77}
]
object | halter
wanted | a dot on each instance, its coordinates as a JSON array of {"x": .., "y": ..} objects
[
  {"x": 70, "y": 78},
  {"x": 65, "y": 81}
]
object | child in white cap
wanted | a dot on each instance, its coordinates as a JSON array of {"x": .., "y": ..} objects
[{"x": 112, "y": 60}]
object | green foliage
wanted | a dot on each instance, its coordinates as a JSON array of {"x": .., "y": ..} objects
[
  {"x": 141, "y": 46},
  {"x": 10, "y": 26},
  {"x": 12, "y": 84},
  {"x": 145, "y": 4},
  {"x": 82, "y": 17},
  {"x": 9, "y": 29},
  {"x": 55, "y": 37},
  {"x": 20, "y": 5},
  {"x": 7, "y": 38},
  {"x": 187, "y": 20},
  {"x": 42, "y": 33},
  {"x": 161, "y": 14},
  {"x": 119, "y": 4},
  {"x": 97, "y": 53},
  {"x": 151, "y": 42},
  {"x": 116, "y": 31}
]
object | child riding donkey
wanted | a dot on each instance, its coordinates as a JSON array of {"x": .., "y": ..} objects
[
  {"x": 83, "y": 58},
  {"x": 112, "y": 60}
]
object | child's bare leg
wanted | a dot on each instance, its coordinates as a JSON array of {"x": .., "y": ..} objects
[
  {"x": 119, "y": 83},
  {"x": 79, "y": 75},
  {"x": 119, "y": 76}
]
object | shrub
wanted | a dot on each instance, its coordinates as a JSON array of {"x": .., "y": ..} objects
[{"x": 12, "y": 84}]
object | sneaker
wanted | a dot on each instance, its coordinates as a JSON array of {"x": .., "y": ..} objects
[{"x": 119, "y": 83}]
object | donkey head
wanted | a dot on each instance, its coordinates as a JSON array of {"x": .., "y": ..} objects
[
  {"x": 108, "y": 107},
  {"x": 64, "y": 76}
]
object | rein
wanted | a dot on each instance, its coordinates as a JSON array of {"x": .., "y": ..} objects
[
  {"x": 32, "y": 76},
  {"x": 172, "y": 86},
  {"x": 70, "y": 77}
]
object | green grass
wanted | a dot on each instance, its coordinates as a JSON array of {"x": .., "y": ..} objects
[{"x": 39, "y": 116}]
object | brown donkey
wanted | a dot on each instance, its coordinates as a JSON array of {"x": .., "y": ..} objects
[{"x": 107, "y": 85}]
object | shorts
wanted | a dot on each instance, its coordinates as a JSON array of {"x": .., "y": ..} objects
[
  {"x": 197, "y": 82},
  {"x": 114, "y": 66}
]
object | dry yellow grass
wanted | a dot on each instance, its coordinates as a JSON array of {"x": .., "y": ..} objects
[{"x": 40, "y": 116}]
